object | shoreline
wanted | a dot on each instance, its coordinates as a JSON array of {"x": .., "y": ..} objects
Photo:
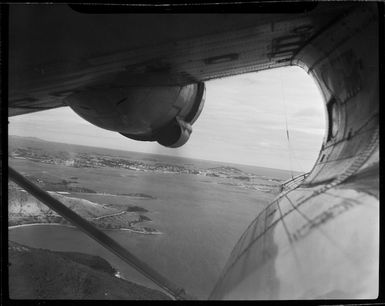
[
  {"x": 71, "y": 226},
  {"x": 33, "y": 224},
  {"x": 139, "y": 232}
]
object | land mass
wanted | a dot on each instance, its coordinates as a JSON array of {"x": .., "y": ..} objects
[
  {"x": 40, "y": 151},
  {"x": 25, "y": 209},
  {"x": 68, "y": 275},
  {"x": 187, "y": 199}
]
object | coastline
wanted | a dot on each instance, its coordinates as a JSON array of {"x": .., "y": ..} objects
[
  {"x": 71, "y": 226},
  {"x": 34, "y": 224},
  {"x": 139, "y": 232}
]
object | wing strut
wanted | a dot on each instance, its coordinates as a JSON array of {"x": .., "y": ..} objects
[{"x": 98, "y": 235}]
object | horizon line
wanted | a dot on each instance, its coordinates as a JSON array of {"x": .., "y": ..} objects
[{"x": 140, "y": 152}]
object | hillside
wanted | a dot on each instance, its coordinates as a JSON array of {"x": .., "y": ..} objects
[
  {"x": 25, "y": 209},
  {"x": 43, "y": 274}
]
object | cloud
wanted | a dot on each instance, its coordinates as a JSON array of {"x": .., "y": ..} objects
[{"x": 308, "y": 112}]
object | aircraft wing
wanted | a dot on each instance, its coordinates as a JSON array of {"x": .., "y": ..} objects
[{"x": 56, "y": 51}]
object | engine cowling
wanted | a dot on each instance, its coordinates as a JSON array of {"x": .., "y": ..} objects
[
  {"x": 146, "y": 113},
  {"x": 176, "y": 134}
]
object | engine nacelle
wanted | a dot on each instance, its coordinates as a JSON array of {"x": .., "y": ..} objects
[{"x": 157, "y": 113}]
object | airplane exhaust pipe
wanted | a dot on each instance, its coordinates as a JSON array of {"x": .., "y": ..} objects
[
  {"x": 175, "y": 135},
  {"x": 145, "y": 113}
]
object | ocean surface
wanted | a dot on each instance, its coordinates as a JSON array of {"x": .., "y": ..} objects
[{"x": 200, "y": 219}]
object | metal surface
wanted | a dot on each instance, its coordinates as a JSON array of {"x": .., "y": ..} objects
[
  {"x": 55, "y": 51},
  {"x": 321, "y": 240},
  {"x": 141, "y": 112},
  {"x": 323, "y": 248}
]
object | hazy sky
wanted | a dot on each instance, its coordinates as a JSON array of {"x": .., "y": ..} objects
[{"x": 243, "y": 121}]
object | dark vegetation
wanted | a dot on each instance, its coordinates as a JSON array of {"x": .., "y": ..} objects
[
  {"x": 138, "y": 195},
  {"x": 136, "y": 209},
  {"x": 54, "y": 184},
  {"x": 43, "y": 274},
  {"x": 94, "y": 262}
]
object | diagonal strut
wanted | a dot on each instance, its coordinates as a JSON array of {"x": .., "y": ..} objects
[{"x": 96, "y": 234}]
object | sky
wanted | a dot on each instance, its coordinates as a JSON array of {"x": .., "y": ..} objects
[{"x": 243, "y": 121}]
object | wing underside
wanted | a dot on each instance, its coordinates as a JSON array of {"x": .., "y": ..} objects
[{"x": 57, "y": 51}]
